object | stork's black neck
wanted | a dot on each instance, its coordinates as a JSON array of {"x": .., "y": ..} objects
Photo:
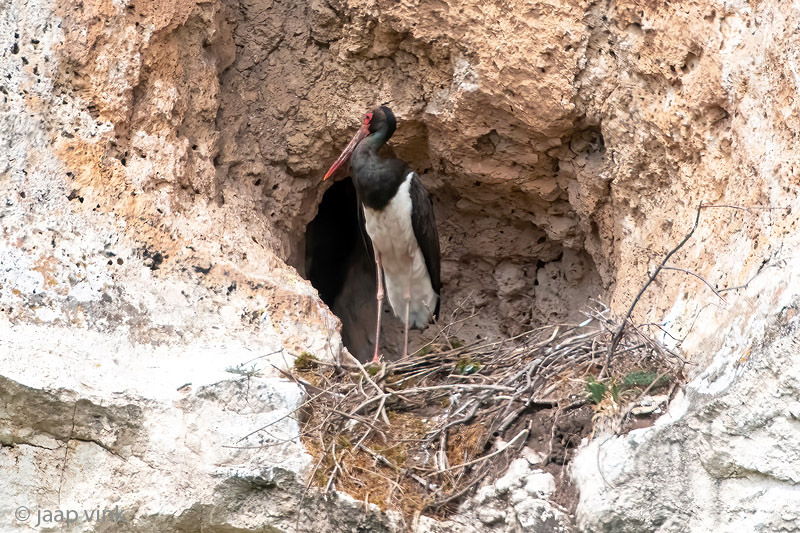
[
  {"x": 376, "y": 178},
  {"x": 381, "y": 127}
]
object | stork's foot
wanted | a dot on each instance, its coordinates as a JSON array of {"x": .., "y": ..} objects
[{"x": 375, "y": 368}]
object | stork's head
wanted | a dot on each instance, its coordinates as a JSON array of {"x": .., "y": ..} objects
[{"x": 380, "y": 121}]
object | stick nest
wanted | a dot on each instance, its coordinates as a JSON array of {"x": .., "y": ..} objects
[{"x": 418, "y": 434}]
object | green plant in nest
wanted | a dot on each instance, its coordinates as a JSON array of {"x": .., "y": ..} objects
[
  {"x": 394, "y": 453},
  {"x": 425, "y": 350},
  {"x": 455, "y": 342},
  {"x": 343, "y": 442},
  {"x": 598, "y": 390},
  {"x": 644, "y": 378},
  {"x": 466, "y": 366},
  {"x": 306, "y": 361}
]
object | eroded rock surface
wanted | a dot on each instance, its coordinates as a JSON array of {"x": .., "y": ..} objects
[
  {"x": 725, "y": 457},
  {"x": 136, "y": 312},
  {"x": 160, "y": 164},
  {"x": 517, "y": 501}
]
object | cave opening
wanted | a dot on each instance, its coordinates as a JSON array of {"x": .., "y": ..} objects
[
  {"x": 340, "y": 266},
  {"x": 501, "y": 276},
  {"x": 513, "y": 257}
]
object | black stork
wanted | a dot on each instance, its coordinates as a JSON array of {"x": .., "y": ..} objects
[{"x": 398, "y": 216}]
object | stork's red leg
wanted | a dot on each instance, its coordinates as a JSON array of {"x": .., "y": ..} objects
[{"x": 379, "y": 295}]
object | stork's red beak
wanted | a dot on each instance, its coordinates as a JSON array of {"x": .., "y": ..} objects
[{"x": 362, "y": 132}]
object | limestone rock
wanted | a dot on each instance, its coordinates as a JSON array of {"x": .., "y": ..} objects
[
  {"x": 724, "y": 458},
  {"x": 517, "y": 501},
  {"x": 159, "y": 163}
]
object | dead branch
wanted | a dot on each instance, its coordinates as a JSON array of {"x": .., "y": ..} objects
[
  {"x": 618, "y": 333},
  {"x": 701, "y": 278}
]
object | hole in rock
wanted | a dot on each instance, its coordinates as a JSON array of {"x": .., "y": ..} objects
[
  {"x": 340, "y": 267},
  {"x": 502, "y": 275}
]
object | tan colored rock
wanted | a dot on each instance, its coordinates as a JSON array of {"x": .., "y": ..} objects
[{"x": 159, "y": 165}]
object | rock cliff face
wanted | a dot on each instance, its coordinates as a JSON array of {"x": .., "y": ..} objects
[{"x": 161, "y": 163}]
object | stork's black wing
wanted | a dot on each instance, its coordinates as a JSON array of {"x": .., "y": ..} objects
[
  {"x": 424, "y": 224},
  {"x": 362, "y": 228}
]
